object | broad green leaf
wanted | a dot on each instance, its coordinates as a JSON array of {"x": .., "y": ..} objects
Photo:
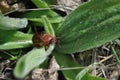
[
  {"x": 14, "y": 39},
  {"x": 90, "y": 25},
  {"x": 31, "y": 60},
  {"x": 7, "y": 23}
]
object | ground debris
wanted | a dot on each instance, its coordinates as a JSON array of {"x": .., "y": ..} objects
[{"x": 45, "y": 74}]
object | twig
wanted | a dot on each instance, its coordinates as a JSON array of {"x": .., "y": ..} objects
[{"x": 105, "y": 59}]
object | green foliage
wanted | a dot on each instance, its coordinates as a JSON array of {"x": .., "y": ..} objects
[
  {"x": 7, "y": 23},
  {"x": 50, "y": 2},
  {"x": 36, "y": 56},
  {"x": 11, "y": 39},
  {"x": 74, "y": 71},
  {"x": 89, "y": 77},
  {"x": 42, "y": 4},
  {"x": 11, "y": 54},
  {"x": 90, "y": 25},
  {"x": 37, "y": 14},
  {"x": 84, "y": 71},
  {"x": 52, "y": 20},
  {"x": 115, "y": 54},
  {"x": 48, "y": 26},
  {"x": 67, "y": 61},
  {"x": 31, "y": 60}
]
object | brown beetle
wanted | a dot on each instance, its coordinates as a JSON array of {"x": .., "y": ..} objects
[{"x": 43, "y": 39}]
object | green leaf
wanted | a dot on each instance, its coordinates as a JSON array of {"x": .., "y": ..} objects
[
  {"x": 7, "y": 23},
  {"x": 36, "y": 56},
  {"x": 84, "y": 71},
  {"x": 1, "y": 13},
  {"x": 52, "y": 20},
  {"x": 10, "y": 55},
  {"x": 117, "y": 41},
  {"x": 31, "y": 60},
  {"x": 73, "y": 68},
  {"x": 51, "y": 2},
  {"x": 66, "y": 61},
  {"x": 115, "y": 54},
  {"x": 89, "y": 77},
  {"x": 90, "y": 25},
  {"x": 48, "y": 26},
  {"x": 16, "y": 44},
  {"x": 14, "y": 39},
  {"x": 35, "y": 16},
  {"x": 42, "y": 4}
]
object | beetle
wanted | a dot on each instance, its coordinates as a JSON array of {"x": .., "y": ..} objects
[{"x": 43, "y": 39}]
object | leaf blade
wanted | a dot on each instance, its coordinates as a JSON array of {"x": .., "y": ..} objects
[
  {"x": 11, "y": 39},
  {"x": 7, "y": 23},
  {"x": 31, "y": 60},
  {"x": 89, "y": 26}
]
